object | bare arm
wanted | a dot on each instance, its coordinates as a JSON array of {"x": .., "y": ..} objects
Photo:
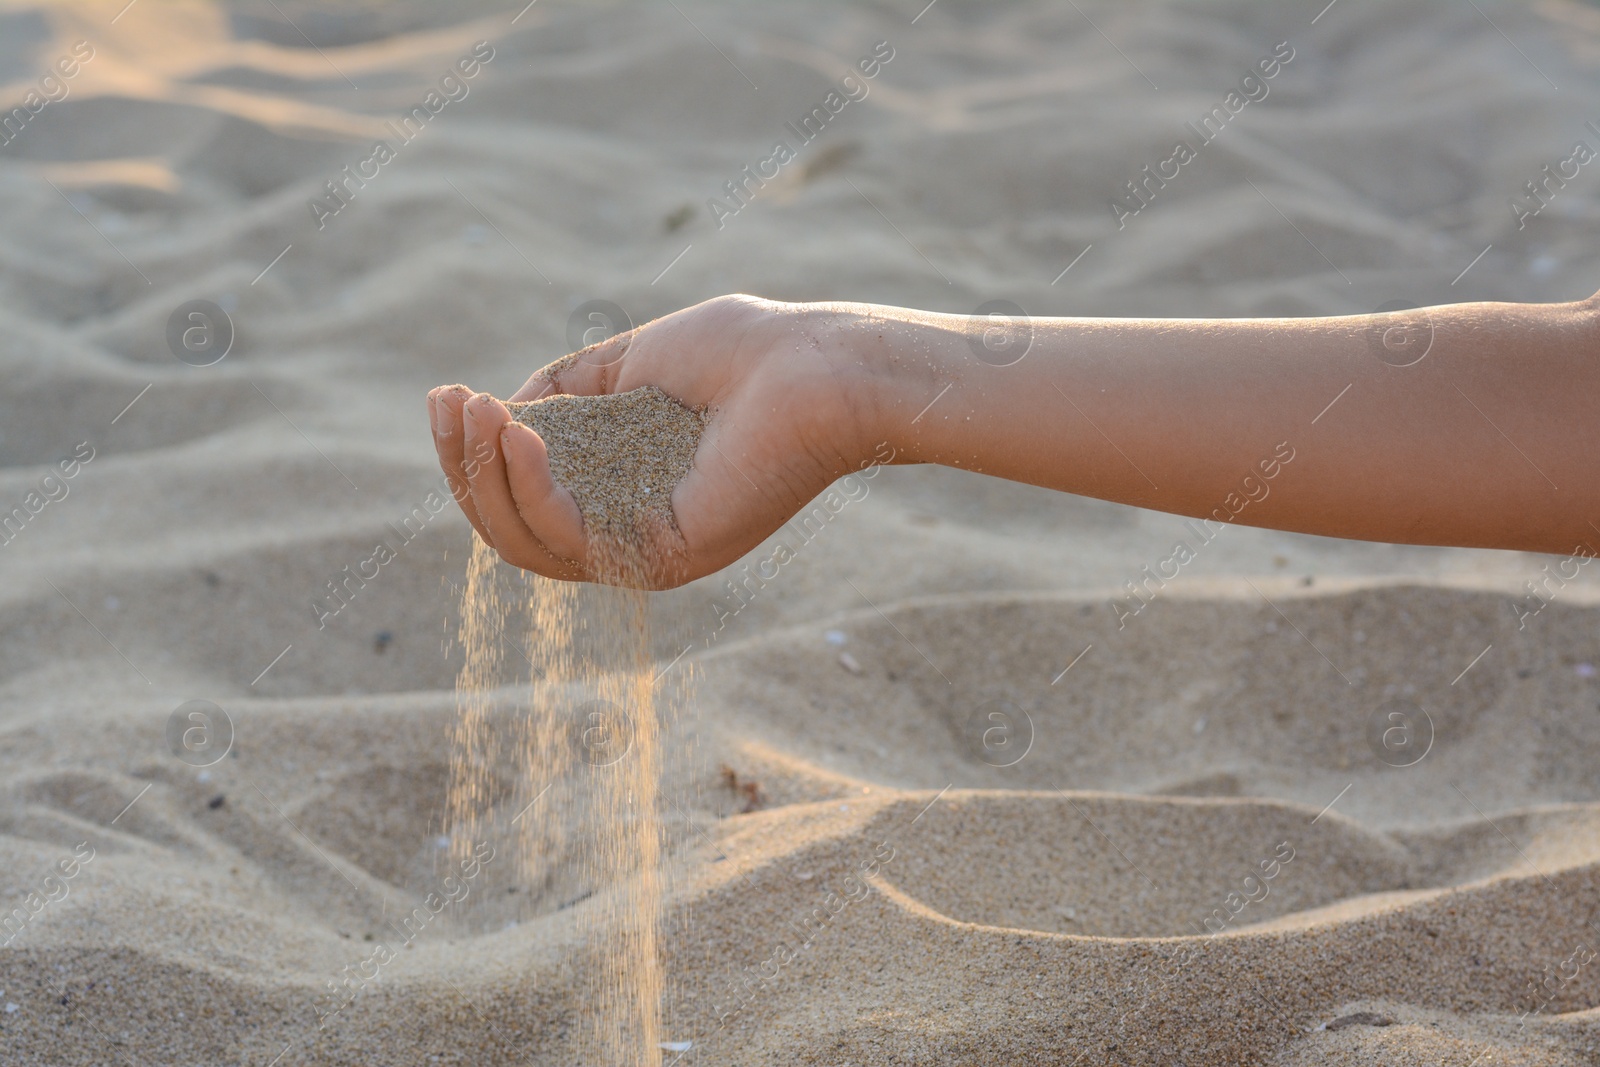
[
  {"x": 1490, "y": 438},
  {"x": 1466, "y": 424}
]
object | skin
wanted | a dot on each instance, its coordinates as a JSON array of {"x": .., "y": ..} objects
[{"x": 1490, "y": 437}]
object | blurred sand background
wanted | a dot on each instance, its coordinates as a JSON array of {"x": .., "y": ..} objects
[{"x": 1048, "y": 907}]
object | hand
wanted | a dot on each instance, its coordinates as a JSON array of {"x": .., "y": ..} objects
[{"x": 787, "y": 415}]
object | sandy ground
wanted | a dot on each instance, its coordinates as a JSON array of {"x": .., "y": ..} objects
[{"x": 1207, "y": 842}]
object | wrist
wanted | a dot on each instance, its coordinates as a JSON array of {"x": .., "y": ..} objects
[{"x": 894, "y": 368}]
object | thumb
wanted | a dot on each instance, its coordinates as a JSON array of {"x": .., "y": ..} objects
[{"x": 590, "y": 372}]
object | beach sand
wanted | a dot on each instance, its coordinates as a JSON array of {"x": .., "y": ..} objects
[
  {"x": 924, "y": 800},
  {"x": 619, "y": 455}
]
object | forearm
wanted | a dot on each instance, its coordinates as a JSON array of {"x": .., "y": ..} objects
[{"x": 1491, "y": 439}]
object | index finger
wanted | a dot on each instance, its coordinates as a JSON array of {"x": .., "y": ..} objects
[{"x": 592, "y": 371}]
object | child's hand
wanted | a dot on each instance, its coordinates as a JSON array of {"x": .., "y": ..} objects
[
  {"x": 785, "y": 422},
  {"x": 1467, "y": 446}
]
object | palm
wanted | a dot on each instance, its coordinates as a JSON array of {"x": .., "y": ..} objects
[{"x": 773, "y": 441}]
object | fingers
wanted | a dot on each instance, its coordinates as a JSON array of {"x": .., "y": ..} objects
[
  {"x": 444, "y": 412},
  {"x": 545, "y": 506},
  {"x": 483, "y": 419},
  {"x": 590, "y": 372},
  {"x": 543, "y": 383},
  {"x": 466, "y": 433}
]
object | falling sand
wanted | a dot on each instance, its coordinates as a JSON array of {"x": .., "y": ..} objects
[{"x": 588, "y": 745}]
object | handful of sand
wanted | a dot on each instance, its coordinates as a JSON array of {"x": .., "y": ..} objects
[{"x": 619, "y": 455}]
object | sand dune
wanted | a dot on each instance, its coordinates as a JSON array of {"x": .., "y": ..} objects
[{"x": 947, "y": 811}]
